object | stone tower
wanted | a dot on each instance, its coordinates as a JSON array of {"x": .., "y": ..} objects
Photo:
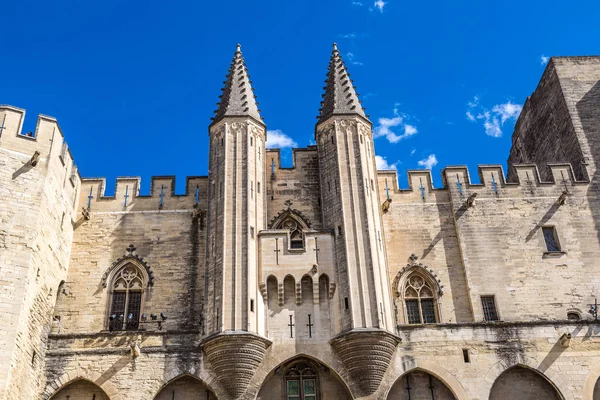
[
  {"x": 236, "y": 211},
  {"x": 351, "y": 208}
]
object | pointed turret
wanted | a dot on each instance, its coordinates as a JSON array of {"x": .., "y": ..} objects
[
  {"x": 238, "y": 97},
  {"x": 340, "y": 97}
]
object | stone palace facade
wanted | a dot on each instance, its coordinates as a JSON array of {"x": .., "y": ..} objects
[{"x": 319, "y": 281}]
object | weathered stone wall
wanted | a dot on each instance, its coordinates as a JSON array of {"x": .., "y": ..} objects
[
  {"x": 497, "y": 247},
  {"x": 169, "y": 239},
  {"x": 35, "y": 238},
  {"x": 298, "y": 184},
  {"x": 559, "y": 121}
]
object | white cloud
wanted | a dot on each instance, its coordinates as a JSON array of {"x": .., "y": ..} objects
[
  {"x": 493, "y": 120},
  {"x": 544, "y": 60},
  {"x": 277, "y": 139},
  {"x": 385, "y": 125},
  {"x": 382, "y": 163},
  {"x": 349, "y": 36},
  {"x": 428, "y": 162},
  {"x": 357, "y": 3},
  {"x": 352, "y": 60},
  {"x": 379, "y": 4},
  {"x": 413, "y": 151}
]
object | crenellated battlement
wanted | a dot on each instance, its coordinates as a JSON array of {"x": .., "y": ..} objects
[
  {"x": 127, "y": 195},
  {"x": 299, "y": 154},
  {"x": 456, "y": 180},
  {"x": 47, "y": 139}
]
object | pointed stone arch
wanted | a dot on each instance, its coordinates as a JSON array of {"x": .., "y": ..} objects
[
  {"x": 512, "y": 381},
  {"x": 53, "y": 388},
  {"x": 187, "y": 384},
  {"x": 410, "y": 364},
  {"x": 130, "y": 258},
  {"x": 542, "y": 369},
  {"x": 331, "y": 383},
  {"x": 425, "y": 271},
  {"x": 590, "y": 388},
  {"x": 296, "y": 215}
]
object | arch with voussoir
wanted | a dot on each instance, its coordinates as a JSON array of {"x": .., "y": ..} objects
[
  {"x": 553, "y": 378},
  {"x": 174, "y": 376},
  {"x": 590, "y": 382},
  {"x": 433, "y": 369},
  {"x": 263, "y": 375},
  {"x": 70, "y": 377}
]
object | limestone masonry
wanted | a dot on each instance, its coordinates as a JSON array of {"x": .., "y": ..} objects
[{"x": 320, "y": 281}]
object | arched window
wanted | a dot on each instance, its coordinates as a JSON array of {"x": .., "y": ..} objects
[
  {"x": 126, "y": 298},
  {"x": 301, "y": 382},
  {"x": 419, "y": 299},
  {"x": 296, "y": 234}
]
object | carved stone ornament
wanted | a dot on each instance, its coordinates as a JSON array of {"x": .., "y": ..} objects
[
  {"x": 297, "y": 215},
  {"x": 235, "y": 373},
  {"x": 131, "y": 257},
  {"x": 366, "y": 354},
  {"x": 412, "y": 266}
]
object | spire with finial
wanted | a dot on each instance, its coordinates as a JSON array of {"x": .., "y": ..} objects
[
  {"x": 238, "y": 97},
  {"x": 340, "y": 97}
]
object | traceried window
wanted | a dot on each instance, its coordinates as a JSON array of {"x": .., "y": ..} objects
[
  {"x": 301, "y": 382},
  {"x": 420, "y": 301},
  {"x": 296, "y": 234},
  {"x": 126, "y": 298}
]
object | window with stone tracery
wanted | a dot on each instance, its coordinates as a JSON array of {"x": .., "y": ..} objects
[
  {"x": 296, "y": 234},
  {"x": 301, "y": 382},
  {"x": 126, "y": 298},
  {"x": 419, "y": 300}
]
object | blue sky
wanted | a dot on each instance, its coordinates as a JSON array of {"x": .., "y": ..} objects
[{"x": 134, "y": 84}]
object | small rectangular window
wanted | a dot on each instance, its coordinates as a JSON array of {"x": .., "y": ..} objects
[
  {"x": 489, "y": 308},
  {"x": 466, "y": 356},
  {"x": 257, "y": 187},
  {"x": 222, "y": 141},
  {"x": 551, "y": 238},
  {"x": 332, "y": 141},
  {"x": 372, "y": 185},
  {"x": 340, "y": 230},
  {"x": 251, "y": 305},
  {"x": 250, "y": 140},
  {"x": 346, "y": 302}
]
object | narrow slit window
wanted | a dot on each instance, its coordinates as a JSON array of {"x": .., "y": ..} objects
[
  {"x": 489, "y": 308},
  {"x": 466, "y": 358},
  {"x": 551, "y": 238},
  {"x": 252, "y": 232},
  {"x": 251, "y": 305},
  {"x": 346, "y": 302},
  {"x": 340, "y": 230},
  {"x": 257, "y": 187},
  {"x": 250, "y": 140}
]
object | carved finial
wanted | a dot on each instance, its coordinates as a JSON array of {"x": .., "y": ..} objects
[
  {"x": 238, "y": 48},
  {"x": 131, "y": 249},
  {"x": 288, "y": 204},
  {"x": 335, "y": 46},
  {"x": 413, "y": 258}
]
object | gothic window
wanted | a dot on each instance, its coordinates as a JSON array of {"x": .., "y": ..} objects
[
  {"x": 296, "y": 234},
  {"x": 419, "y": 300},
  {"x": 126, "y": 298},
  {"x": 301, "y": 382}
]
